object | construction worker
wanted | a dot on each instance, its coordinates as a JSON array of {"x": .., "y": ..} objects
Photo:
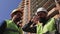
[
  {"x": 13, "y": 25},
  {"x": 43, "y": 24}
]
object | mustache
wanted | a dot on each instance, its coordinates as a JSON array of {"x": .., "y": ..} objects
[
  {"x": 17, "y": 19},
  {"x": 42, "y": 19}
]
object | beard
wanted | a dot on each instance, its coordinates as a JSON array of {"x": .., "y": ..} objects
[
  {"x": 43, "y": 20},
  {"x": 17, "y": 20}
]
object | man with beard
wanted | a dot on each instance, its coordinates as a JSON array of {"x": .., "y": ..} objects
[
  {"x": 42, "y": 25},
  {"x": 13, "y": 25}
]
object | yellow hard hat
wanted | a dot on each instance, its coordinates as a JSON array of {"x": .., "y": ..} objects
[{"x": 15, "y": 11}]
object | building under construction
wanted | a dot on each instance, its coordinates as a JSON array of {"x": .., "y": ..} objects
[{"x": 30, "y": 6}]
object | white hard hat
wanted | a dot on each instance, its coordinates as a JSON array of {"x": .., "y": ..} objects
[
  {"x": 41, "y": 9},
  {"x": 16, "y": 10}
]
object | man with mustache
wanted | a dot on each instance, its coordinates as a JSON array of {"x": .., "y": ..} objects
[
  {"x": 13, "y": 25},
  {"x": 43, "y": 24}
]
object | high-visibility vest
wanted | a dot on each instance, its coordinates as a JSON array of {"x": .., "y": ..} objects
[
  {"x": 49, "y": 26},
  {"x": 12, "y": 28}
]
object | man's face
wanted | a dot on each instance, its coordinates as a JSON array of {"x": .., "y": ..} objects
[
  {"x": 42, "y": 17},
  {"x": 17, "y": 17},
  {"x": 42, "y": 14}
]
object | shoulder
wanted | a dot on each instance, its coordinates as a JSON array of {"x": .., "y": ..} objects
[
  {"x": 2, "y": 23},
  {"x": 51, "y": 19}
]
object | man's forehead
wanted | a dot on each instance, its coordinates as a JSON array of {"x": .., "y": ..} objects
[{"x": 18, "y": 13}]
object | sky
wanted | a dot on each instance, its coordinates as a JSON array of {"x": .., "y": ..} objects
[{"x": 6, "y": 6}]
